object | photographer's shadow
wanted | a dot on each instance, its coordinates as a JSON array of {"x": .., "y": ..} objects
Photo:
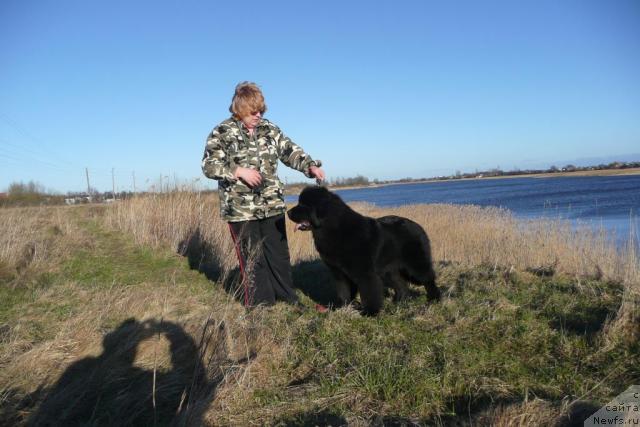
[{"x": 110, "y": 390}]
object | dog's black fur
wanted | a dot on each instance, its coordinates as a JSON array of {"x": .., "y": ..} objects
[{"x": 365, "y": 254}]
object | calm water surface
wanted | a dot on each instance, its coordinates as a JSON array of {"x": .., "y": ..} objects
[{"x": 612, "y": 202}]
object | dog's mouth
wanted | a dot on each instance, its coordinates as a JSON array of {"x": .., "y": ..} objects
[{"x": 302, "y": 226}]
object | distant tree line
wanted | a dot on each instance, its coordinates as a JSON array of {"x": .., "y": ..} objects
[
  {"x": 347, "y": 182},
  {"x": 553, "y": 169},
  {"x": 34, "y": 194},
  {"x": 29, "y": 194},
  {"x": 358, "y": 180}
]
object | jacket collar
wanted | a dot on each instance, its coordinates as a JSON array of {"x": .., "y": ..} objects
[{"x": 241, "y": 125}]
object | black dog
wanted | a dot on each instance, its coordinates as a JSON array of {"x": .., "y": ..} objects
[{"x": 365, "y": 254}]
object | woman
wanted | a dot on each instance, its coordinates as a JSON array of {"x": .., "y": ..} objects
[{"x": 242, "y": 153}]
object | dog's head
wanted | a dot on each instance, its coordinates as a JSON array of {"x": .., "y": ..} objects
[{"x": 312, "y": 208}]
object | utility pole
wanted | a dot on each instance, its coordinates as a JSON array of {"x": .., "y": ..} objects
[
  {"x": 113, "y": 184},
  {"x": 134, "y": 181},
  {"x": 86, "y": 170},
  {"x": 160, "y": 183}
]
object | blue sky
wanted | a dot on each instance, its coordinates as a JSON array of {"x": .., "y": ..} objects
[{"x": 383, "y": 89}]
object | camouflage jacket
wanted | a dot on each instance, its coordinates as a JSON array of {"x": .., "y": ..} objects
[{"x": 229, "y": 146}]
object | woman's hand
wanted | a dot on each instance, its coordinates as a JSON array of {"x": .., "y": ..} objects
[
  {"x": 317, "y": 173},
  {"x": 251, "y": 177}
]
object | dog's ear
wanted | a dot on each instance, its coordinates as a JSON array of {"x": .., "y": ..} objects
[
  {"x": 313, "y": 218},
  {"x": 322, "y": 203}
]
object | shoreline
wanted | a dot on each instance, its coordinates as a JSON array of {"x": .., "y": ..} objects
[{"x": 601, "y": 172}]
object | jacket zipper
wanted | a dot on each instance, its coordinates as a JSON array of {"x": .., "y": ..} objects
[{"x": 255, "y": 142}]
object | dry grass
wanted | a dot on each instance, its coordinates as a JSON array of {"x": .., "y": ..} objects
[
  {"x": 537, "y": 412},
  {"x": 34, "y": 244},
  {"x": 30, "y": 237}
]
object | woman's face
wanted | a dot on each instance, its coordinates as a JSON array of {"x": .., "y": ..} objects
[{"x": 252, "y": 120}]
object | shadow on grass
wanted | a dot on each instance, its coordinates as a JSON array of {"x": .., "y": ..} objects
[
  {"x": 110, "y": 390},
  {"x": 322, "y": 418},
  {"x": 314, "y": 279},
  {"x": 203, "y": 258},
  {"x": 574, "y": 312},
  {"x": 467, "y": 413},
  {"x": 311, "y": 277},
  {"x": 587, "y": 322},
  {"x": 474, "y": 411}
]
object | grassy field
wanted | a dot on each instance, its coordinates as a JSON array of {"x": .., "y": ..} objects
[{"x": 125, "y": 315}]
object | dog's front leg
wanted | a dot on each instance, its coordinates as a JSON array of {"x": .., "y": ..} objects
[
  {"x": 343, "y": 287},
  {"x": 371, "y": 293}
]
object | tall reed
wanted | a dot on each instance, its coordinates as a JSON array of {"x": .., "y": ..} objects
[{"x": 470, "y": 235}]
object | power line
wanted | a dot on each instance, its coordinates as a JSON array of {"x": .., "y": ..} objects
[
  {"x": 28, "y": 135},
  {"x": 12, "y": 156}
]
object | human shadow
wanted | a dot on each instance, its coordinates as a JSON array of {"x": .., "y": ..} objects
[
  {"x": 204, "y": 258},
  {"x": 110, "y": 390},
  {"x": 201, "y": 255}
]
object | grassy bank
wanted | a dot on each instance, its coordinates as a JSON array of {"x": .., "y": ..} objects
[{"x": 537, "y": 322}]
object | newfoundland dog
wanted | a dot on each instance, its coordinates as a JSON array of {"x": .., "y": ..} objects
[{"x": 365, "y": 254}]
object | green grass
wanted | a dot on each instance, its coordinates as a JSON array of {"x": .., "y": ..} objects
[{"x": 116, "y": 259}]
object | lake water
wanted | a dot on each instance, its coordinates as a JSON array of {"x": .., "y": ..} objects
[{"x": 612, "y": 202}]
